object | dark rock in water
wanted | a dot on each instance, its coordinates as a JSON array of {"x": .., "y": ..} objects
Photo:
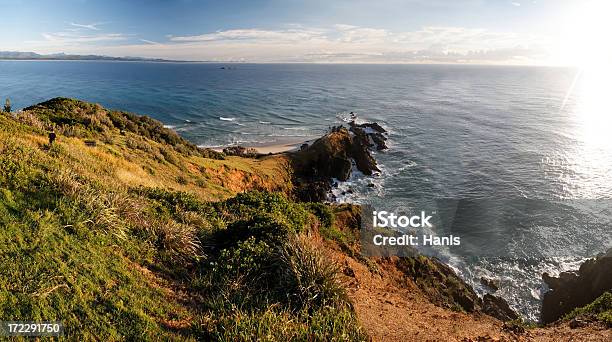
[
  {"x": 578, "y": 288},
  {"x": 377, "y": 136},
  {"x": 360, "y": 151},
  {"x": 371, "y": 185},
  {"x": 493, "y": 284},
  {"x": 380, "y": 141},
  {"x": 564, "y": 278},
  {"x": 360, "y": 134},
  {"x": 498, "y": 307},
  {"x": 373, "y": 125}
]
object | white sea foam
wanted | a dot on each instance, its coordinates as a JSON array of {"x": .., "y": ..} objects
[
  {"x": 226, "y": 119},
  {"x": 359, "y": 187}
]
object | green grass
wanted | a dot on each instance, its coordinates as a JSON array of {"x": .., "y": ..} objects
[
  {"x": 274, "y": 324},
  {"x": 110, "y": 241},
  {"x": 600, "y": 308},
  {"x": 56, "y": 266}
]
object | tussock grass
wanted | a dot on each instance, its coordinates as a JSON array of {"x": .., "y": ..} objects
[
  {"x": 308, "y": 277},
  {"x": 179, "y": 241}
]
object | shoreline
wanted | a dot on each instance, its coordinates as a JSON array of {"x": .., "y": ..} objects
[{"x": 275, "y": 147}]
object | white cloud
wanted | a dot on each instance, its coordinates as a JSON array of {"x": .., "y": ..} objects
[
  {"x": 517, "y": 4},
  {"x": 349, "y": 33},
  {"x": 86, "y": 26},
  {"x": 291, "y": 35},
  {"x": 149, "y": 42},
  {"x": 71, "y": 38},
  {"x": 338, "y": 43}
]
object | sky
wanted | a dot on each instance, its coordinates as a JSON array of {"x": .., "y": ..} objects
[{"x": 328, "y": 31}]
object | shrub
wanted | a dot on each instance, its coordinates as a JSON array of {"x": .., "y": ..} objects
[
  {"x": 601, "y": 308},
  {"x": 182, "y": 180},
  {"x": 241, "y": 151},
  {"x": 249, "y": 204},
  {"x": 174, "y": 200},
  {"x": 323, "y": 212},
  {"x": 169, "y": 155},
  {"x": 309, "y": 279},
  {"x": 248, "y": 261},
  {"x": 262, "y": 227},
  {"x": 32, "y": 120}
]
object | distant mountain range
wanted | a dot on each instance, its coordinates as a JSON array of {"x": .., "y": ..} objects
[{"x": 19, "y": 55}]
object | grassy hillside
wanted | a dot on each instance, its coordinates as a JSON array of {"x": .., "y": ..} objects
[{"x": 145, "y": 236}]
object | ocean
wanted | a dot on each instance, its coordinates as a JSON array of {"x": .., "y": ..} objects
[{"x": 524, "y": 153}]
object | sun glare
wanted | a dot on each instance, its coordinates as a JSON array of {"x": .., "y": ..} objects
[
  {"x": 585, "y": 34},
  {"x": 585, "y": 44}
]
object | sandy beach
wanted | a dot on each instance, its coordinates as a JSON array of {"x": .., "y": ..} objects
[{"x": 278, "y": 147}]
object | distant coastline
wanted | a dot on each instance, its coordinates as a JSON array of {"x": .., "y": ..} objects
[{"x": 33, "y": 56}]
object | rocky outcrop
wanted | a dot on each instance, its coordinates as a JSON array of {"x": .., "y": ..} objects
[
  {"x": 333, "y": 156},
  {"x": 498, "y": 307},
  {"x": 445, "y": 288},
  {"x": 577, "y": 288},
  {"x": 440, "y": 283},
  {"x": 370, "y": 134},
  {"x": 491, "y": 283}
]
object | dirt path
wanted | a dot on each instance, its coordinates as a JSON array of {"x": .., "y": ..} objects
[{"x": 392, "y": 308}]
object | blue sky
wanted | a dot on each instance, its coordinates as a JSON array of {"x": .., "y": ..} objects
[{"x": 382, "y": 31}]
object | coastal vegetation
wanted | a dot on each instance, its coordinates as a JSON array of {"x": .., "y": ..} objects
[
  {"x": 599, "y": 309},
  {"x": 123, "y": 230},
  {"x": 144, "y": 235}
]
